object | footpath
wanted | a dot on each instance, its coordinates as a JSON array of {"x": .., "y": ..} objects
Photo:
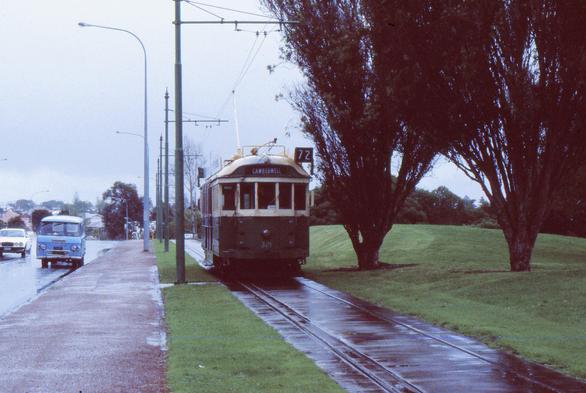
[{"x": 100, "y": 329}]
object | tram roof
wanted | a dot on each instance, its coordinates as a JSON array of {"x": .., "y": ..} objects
[{"x": 258, "y": 160}]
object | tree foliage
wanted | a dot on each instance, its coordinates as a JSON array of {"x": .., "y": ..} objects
[
  {"x": 37, "y": 215},
  {"x": 358, "y": 107},
  {"x": 513, "y": 77},
  {"x": 116, "y": 200},
  {"x": 16, "y": 222}
]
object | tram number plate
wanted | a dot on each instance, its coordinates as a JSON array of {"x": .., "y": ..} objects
[
  {"x": 266, "y": 244},
  {"x": 303, "y": 154}
]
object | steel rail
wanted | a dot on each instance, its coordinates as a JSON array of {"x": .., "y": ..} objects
[
  {"x": 342, "y": 350},
  {"x": 431, "y": 336}
]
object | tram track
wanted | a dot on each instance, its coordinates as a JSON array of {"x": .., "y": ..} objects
[
  {"x": 380, "y": 375},
  {"x": 541, "y": 385}
]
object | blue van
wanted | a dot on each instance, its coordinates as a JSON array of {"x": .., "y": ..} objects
[{"x": 61, "y": 239}]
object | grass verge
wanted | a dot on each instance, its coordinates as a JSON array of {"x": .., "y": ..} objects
[
  {"x": 167, "y": 267},
  {"x": 461, "y": 281},
  {"x": 217, "y": 345}
]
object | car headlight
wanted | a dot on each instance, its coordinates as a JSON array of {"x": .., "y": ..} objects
[
  {"x": 43, "y": 246},
  {"x": 74, "y": 248},
  {"x": 18, "y": 244}
]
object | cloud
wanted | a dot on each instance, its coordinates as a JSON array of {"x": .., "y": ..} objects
[{"x": 61, "y": 186}]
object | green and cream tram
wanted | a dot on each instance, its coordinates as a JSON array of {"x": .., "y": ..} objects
[{"x": 255, "y": 210}]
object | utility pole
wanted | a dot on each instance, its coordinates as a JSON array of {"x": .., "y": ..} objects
[
  {"x": 160, "y": 190},
  {"x": 166, "y": 213},
  {"x": 179, "y": 187},
  {"x": 167, "y": 210},
  {"x": 179, "y": 201},
  {"x": 157, "y": 203}
]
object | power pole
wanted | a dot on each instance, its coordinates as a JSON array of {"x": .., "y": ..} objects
[
  {"x": 157, "y": 206},
  {"x": 167, "y": 210},
  {"x": 179, "y": 187},
  {"x": 179, "y": 201},
  {"x": 160, "y": 189},
  {"x": 166, "y": 213}
]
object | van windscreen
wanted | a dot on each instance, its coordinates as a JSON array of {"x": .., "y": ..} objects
[{"x": 60, "y": 229}]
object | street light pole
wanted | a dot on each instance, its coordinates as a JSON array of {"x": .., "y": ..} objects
[{"x": 146, "y": 221}]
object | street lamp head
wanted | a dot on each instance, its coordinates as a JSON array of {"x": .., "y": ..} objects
[{"x": 82, "y": 24}]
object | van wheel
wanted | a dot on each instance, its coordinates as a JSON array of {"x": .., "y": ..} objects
[
  {"x": 23, "y": 254},
  {"x": 44, "y": 263}
]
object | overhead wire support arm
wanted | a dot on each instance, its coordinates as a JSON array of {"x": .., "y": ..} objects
[{"x": 236, "y": 22}]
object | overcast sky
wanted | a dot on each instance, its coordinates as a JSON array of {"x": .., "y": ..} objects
[{"x": 65, "y": 90}]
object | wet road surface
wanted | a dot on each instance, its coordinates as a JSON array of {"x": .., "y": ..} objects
[
  {"x": 99, "y": 329},
  {"x": 366, "y": 348},
  {"x": 21, "y": 279}
]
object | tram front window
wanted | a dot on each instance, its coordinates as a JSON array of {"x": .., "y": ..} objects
[
  {"x": 229, "y": 196},
  {"x": 300, "y": 191},
  {"x": 247, "y": 195},
  {"x": 285, "y": 195},
  {"x": 266, "y": 196}
]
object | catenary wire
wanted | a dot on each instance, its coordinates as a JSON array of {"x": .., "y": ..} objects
[{"x": 229, "y": 9}]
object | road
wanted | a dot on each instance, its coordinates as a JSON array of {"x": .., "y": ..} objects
[{"x": 21, "y": 279}]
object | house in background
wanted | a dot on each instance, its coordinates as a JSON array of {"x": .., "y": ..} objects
[{"x": 94, "y": 226}]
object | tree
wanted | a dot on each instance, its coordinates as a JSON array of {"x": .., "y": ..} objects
[
  {"x": 568, "y": 210},
  {"x": 357, "y": 107},
  {"x": 78, "y": 207},
  {"x": 114, "y": 211},
  {"x": 16, "y": 222},
  {"x": 514, "y": 73},
  {"x": 192, "y": 160},
  {"x": 37, "y": 216}
]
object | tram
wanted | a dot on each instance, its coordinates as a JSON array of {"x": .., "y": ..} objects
[{"x": 255, "y": 211}]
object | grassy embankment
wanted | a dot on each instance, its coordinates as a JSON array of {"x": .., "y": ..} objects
[
  {"x": 461, "y": 281},
  {"x": 217, "y": 345}
]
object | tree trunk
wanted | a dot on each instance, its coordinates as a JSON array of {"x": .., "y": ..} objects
[
  {"x": 366, "y": 246},
  {"x": 368, "y": 257},
  {"x": 521, "y": 243}
]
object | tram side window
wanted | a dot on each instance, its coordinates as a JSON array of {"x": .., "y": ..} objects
[
  {"x": 300, "y": 191},
  {"x": 229, "y": 196},
  {"x": 247, "y": 195},
  {"x": 285, "y": 195},
  {"x": 267, "y": 198}
]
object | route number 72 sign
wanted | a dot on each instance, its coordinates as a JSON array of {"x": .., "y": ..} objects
[{"x": 303, "y": 154}]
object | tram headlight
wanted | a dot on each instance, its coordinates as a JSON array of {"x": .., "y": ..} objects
[
  {"x": 74, "y": 248},
  {"x": 42, "y": 246},
  {"x": 266, "y": 233}
]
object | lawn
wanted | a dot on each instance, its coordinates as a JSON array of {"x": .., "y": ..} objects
[
  {"x": 461, "y": 280},
  {"x": 216, "y": 345}
]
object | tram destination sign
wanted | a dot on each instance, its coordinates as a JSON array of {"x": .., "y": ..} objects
[{"x": 265, "y": 171}]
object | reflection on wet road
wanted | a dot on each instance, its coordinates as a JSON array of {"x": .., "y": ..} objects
[{"x": 21, "y": 279}]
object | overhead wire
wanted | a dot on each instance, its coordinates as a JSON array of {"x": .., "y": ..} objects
[
  {"x": 194, "y": 4},
  {"x": 229, "y": 9}
]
